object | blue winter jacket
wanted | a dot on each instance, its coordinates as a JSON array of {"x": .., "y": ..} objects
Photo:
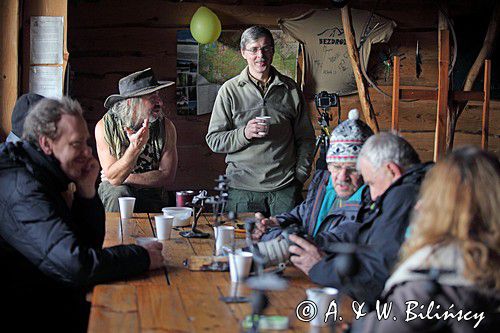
[{"x": 306, "y": 214}]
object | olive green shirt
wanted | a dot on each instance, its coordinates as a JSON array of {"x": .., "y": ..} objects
[{"x": 276, "y": 160}]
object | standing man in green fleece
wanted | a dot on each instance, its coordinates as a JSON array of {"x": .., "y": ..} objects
[{"x": 268, "y": 160}]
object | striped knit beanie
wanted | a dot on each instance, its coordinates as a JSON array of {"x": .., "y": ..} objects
[{"x": 347, "y": 139}]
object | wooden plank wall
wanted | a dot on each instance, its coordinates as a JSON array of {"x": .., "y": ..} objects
[{"x": 109, "y": 39}]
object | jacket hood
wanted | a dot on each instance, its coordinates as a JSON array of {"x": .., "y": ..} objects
[{"x": 414, "y": 175}]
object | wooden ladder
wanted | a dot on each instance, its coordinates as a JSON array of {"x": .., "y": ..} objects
[{"x": 441, "y": 96}]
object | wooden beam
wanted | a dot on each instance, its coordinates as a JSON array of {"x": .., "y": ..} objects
[
  {"x": 486, "y": 105},
  {"x": 431, "y": 95},
  {"x": 465, "y": 96},
  {"x": 9, "y": 23},
  {"x": 442, "y": 99},
  {"x": 352, "y": 49},
  {"x": 395, "y": 95},
  {"x": 420, "y": 94}
]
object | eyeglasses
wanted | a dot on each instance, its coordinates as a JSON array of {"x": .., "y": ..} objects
[
  {"x": 264, "y": 49},
  {"x": 349, "y": 170}
]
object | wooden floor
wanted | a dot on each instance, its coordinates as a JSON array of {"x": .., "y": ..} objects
[{"x": 179, "y": 300}]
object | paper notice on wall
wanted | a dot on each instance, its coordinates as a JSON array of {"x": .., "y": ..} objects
[
  {"x": 46, "y": 39},
  {"x": 207, "y": 92},
  {"x": 47, "y": 81}
]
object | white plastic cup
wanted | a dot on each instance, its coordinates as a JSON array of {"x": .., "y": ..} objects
[
  {"x": 163, "y": 226},
  {"x": 322, "y": 297},
  {"x": 264, "y": 120},
  {"x": 224, "y": 236},
  {"x": 239, "y": 265},
  {"x": 145, "y": 240},
  {"x": 236, "y": 289},
  {"x": 126, "y": 207}
]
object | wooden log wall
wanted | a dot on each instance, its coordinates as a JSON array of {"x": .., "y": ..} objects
[
  {"x": 9, "y": 23},
  {"x": 110, "y": 39}
]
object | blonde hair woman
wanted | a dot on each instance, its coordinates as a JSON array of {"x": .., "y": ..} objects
[{"x": 449, "y": 277}]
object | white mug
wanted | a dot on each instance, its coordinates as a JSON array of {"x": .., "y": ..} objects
[
  {"x": 224, "y": 236},
  {"x": 322, "y": 297}
]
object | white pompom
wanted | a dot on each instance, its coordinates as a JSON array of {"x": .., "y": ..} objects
[{"x": 354, "y": 114}]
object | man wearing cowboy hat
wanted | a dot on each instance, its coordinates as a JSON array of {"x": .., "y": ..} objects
[{"x": 136, "y": 145}]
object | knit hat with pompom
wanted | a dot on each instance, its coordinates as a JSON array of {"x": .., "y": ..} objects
[{"x": 347, "y": 139}]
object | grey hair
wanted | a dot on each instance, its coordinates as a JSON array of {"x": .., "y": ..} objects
[
  {"x": 43, "y": 118},
  {"x": 388, "y": 147},
  {"x": 124, "y": 110},
  {"x": 253, "y": 33}
]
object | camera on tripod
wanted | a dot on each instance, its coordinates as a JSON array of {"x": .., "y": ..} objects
[{"x": 325, "y": 100}]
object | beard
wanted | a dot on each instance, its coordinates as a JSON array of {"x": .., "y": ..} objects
[{"x": 154, "y": 115}]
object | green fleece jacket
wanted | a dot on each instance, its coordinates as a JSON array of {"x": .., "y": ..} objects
[{"x": 269, "y": 163}]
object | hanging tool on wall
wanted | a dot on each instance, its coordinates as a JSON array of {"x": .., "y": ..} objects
[
  {"x": 418, "y": 62},
  {"x": 386, "y": 57}
]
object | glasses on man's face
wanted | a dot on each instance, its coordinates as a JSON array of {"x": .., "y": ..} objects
[
  {"x": 263, "y": 49},
  {"x": 349, "y": 170}
]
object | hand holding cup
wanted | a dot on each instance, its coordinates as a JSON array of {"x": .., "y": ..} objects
[{"x": 257, "y": 127}]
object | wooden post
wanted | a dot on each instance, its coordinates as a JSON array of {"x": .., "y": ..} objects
[
  {"x": 486, "y": 105},
  {"x": 41, "y": 8},
  {"x": 442, "y": 99},
  {"x": 352, "y": 49},
  {"x": 395, "y": 95},
  {"x": 9, "y": 23}
]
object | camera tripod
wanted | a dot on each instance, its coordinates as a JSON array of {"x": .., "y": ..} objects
[{"x": 323, "y": 139}]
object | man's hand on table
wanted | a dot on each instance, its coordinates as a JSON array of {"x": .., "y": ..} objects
[
  {"x": 262, "y": 224},
  {"x": 155, "y": 256},
  {"x": 304, "y": 255}
]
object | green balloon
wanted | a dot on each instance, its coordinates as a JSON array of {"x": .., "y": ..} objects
[{"x": 205, "y": 26}]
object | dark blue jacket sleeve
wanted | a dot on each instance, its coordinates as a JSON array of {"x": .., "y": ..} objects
[
  {"x": 301, "y": 214},
  {"x": 383, "y": 237}
]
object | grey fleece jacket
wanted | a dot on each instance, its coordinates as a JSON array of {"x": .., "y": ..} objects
[{"x": 269, "y": 163}]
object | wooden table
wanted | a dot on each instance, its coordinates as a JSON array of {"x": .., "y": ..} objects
[{"x": 176, "y": 299}]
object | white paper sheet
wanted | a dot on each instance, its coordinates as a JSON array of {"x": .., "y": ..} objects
[
  {"x": 47, "y": 81},
  {"x": 46, "y": 39},
  {"x": 206, "y": 97}
]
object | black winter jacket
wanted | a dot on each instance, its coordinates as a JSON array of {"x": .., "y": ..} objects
[
  {"x": 48, "y": 251},
  {"x": 380, "y": 227}
]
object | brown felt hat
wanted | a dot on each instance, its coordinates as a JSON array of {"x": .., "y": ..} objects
[{"x": 136, "y": 84}]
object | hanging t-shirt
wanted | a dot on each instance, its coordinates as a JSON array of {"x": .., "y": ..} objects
[{"x": 327, "y": 64}]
